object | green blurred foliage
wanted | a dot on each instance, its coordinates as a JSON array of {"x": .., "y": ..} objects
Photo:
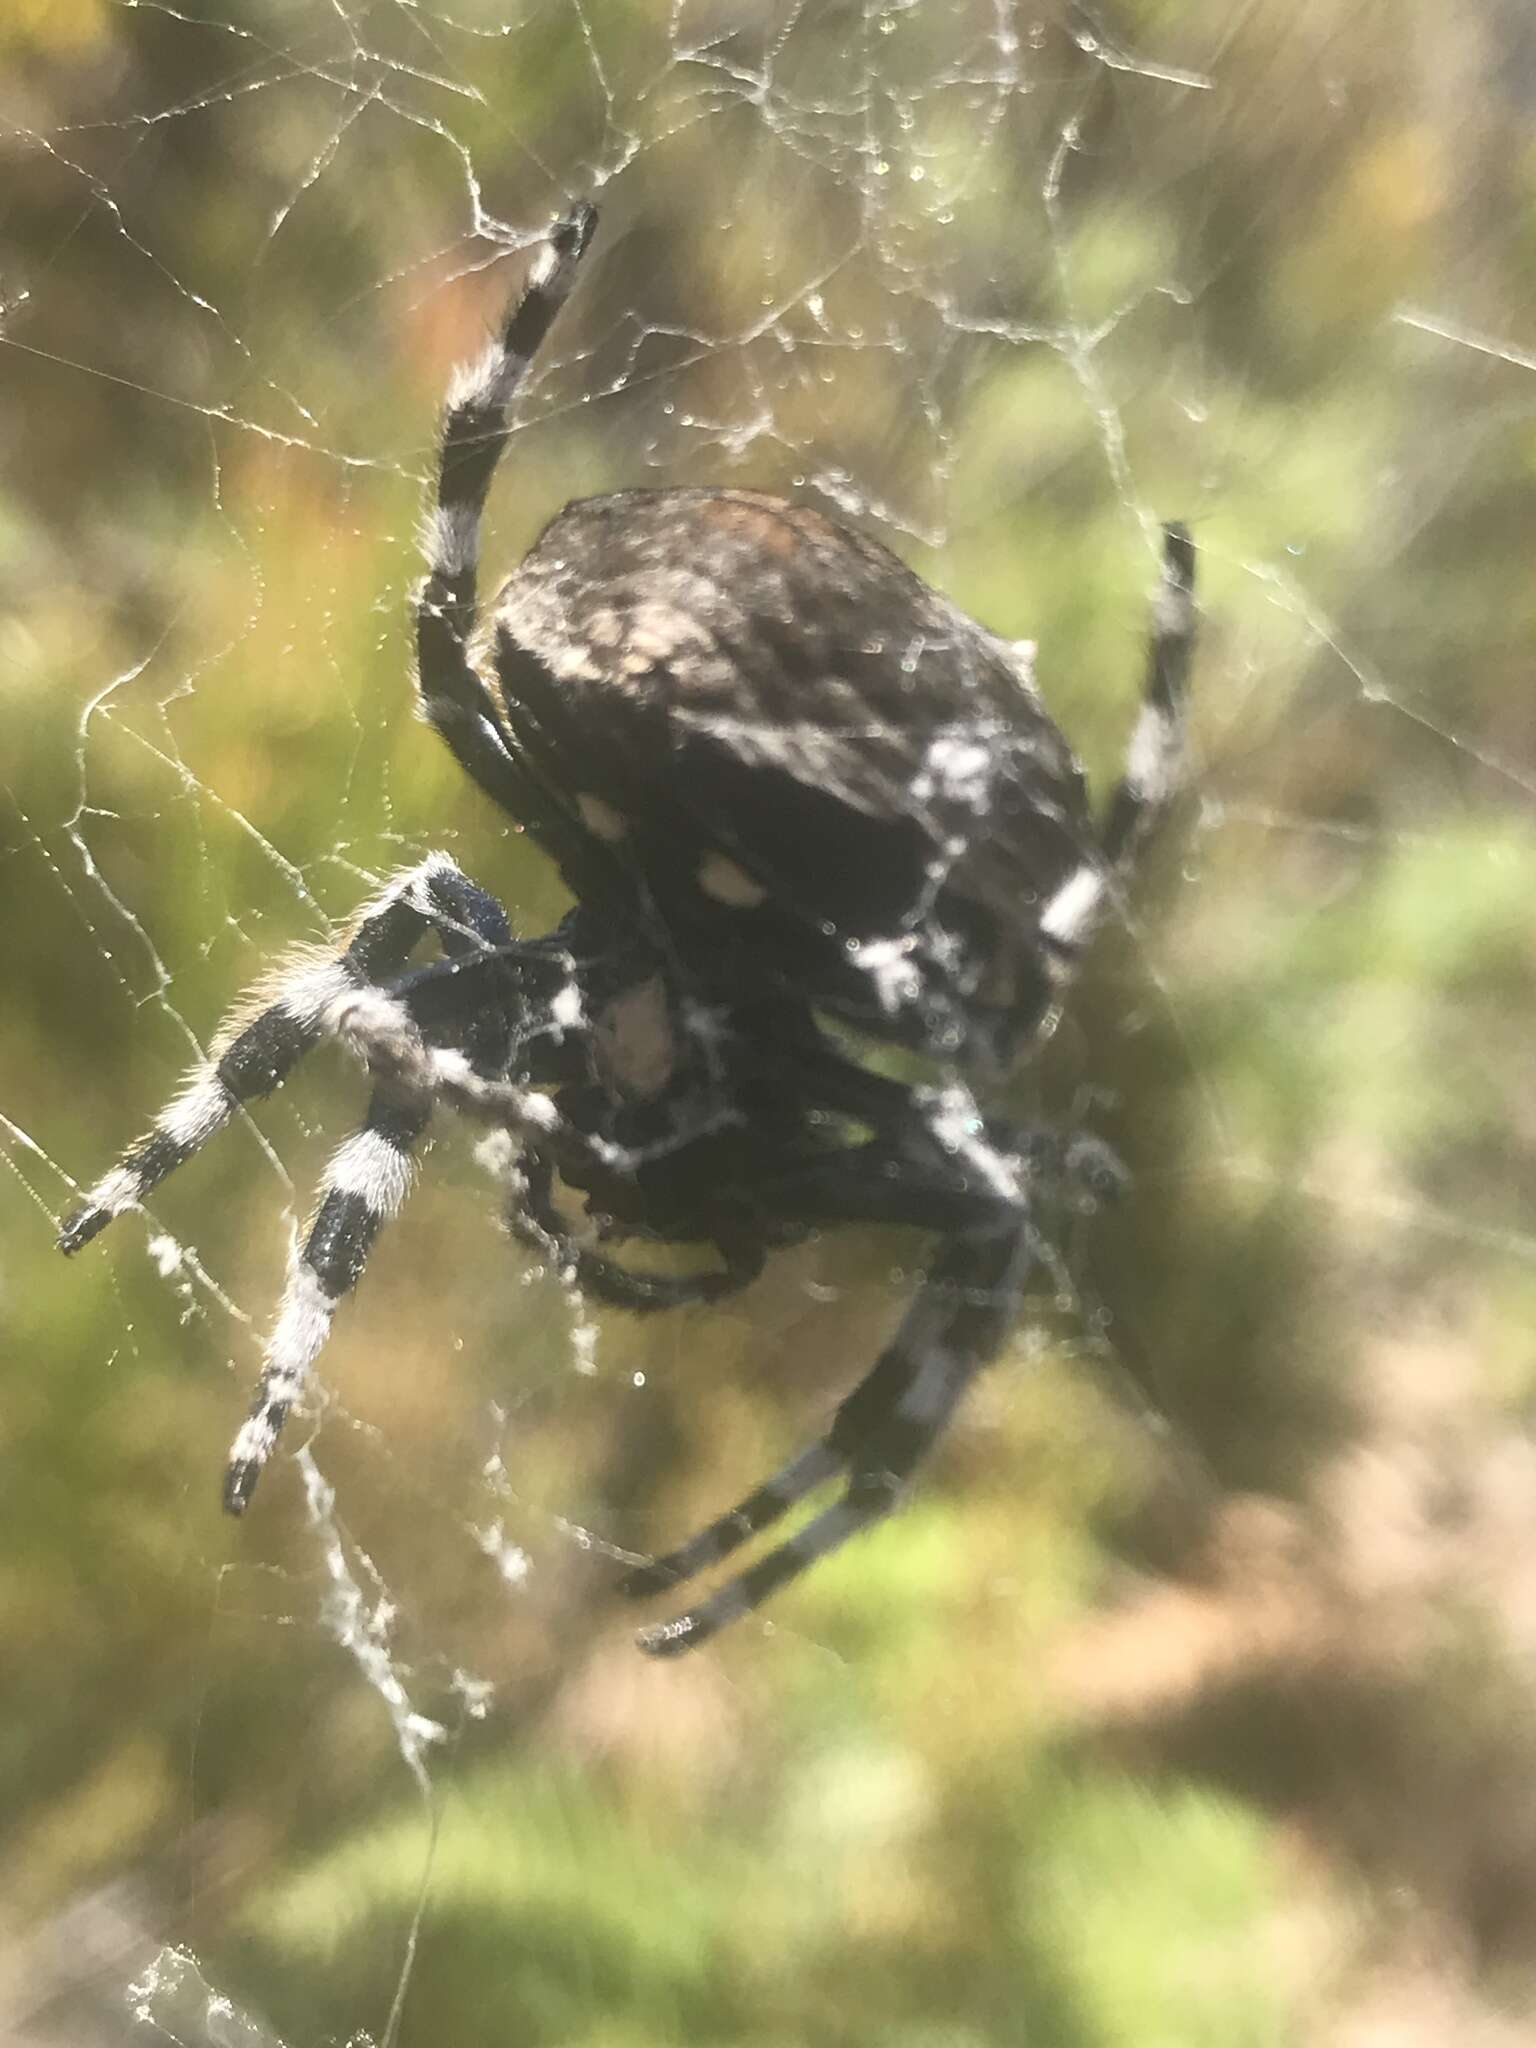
[{"x": 1187, "y": 1700}]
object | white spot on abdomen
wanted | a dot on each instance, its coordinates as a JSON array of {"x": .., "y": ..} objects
[
  {"x": 601, "y": 819},
  {"x": 720, "y": 877}
]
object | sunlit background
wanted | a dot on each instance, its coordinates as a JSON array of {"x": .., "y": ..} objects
[{"x": 1189, "y": 1704}]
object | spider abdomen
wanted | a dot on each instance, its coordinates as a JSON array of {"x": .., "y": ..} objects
[{"x": 783, "y": 724}]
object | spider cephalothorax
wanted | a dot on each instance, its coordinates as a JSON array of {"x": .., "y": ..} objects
[{"x": 786, "y": 782}]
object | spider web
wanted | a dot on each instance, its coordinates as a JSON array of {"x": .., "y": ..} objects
[{"x": 1005, "y": 286}]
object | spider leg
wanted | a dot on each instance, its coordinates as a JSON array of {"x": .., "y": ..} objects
[
  {"x": 537, "y": 1222},
  {"x": 1153, "y": 764},
  {"x": 755, "y": 1511},
  {"x": 1154, "y": 760},
  {"x": 959, "y": 1184},
  {"x": 309, "y": 1000},
  {"x": 879, "y": 1435},
  {"x": 454, "y": 699},
  {"x": 365, "y": 1183}
]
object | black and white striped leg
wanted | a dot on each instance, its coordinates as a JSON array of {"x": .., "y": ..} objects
[
  {"x": 247, "y": 1061},
  {"x": 879, "y": 1435},
  {"x": 364, "y": 1186},
  {"x": 454, "y": 700},
  {"x": 313, "y": 998},
  {"x": 1154, "y": 763}
]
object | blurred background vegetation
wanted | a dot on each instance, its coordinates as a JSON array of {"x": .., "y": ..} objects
[{"x": 1190, "y": 1701}]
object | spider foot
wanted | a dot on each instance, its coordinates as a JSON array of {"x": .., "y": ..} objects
[
  {"x": 762, "y": 1507},
  {"x": 871, "y": 1496},
  {"x": 667, "y": 1638},
  {"x": 242, "y": 1473},
  {"x": 203, "y": 1107},
  {"x": 570, "y": 235},
  {"x": 84, "y": 1223}
]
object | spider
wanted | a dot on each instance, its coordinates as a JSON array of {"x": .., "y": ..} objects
[{"x": 797, "y": 796}]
